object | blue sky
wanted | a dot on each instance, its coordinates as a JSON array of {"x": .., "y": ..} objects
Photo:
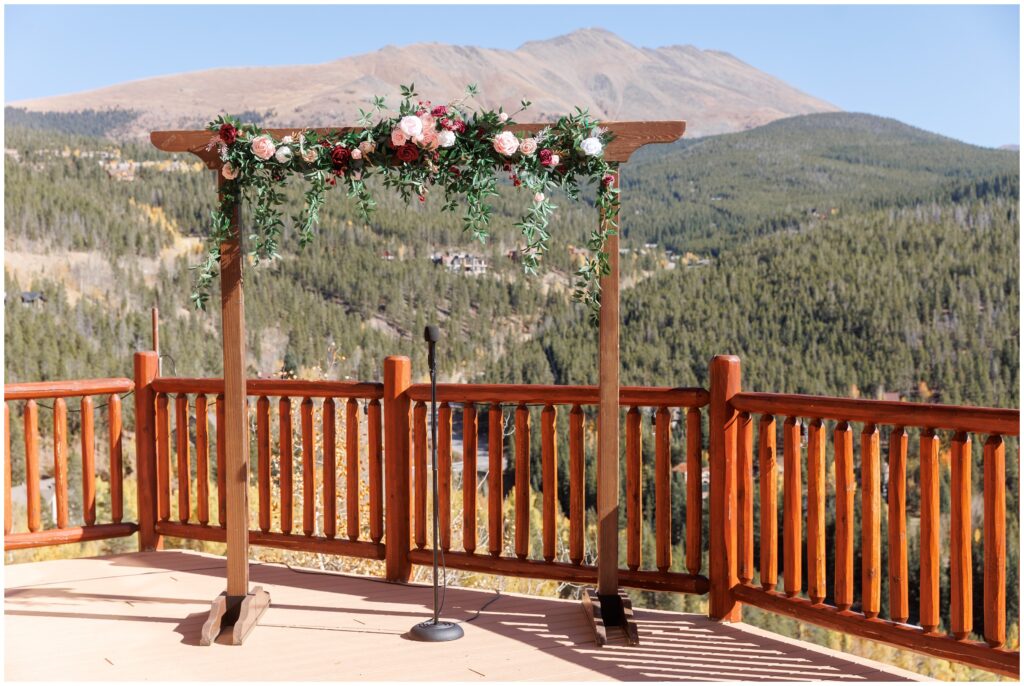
[{"x": 954, "y": 70}]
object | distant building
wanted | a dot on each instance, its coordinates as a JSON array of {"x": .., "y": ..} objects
[
  {"x": 461, "y": 262},
  {"x": 33, "y": 297}
]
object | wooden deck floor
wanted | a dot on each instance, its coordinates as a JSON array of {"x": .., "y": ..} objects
[{"x": 138, "y": 616}]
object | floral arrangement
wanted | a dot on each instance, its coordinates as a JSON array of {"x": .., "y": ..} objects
[{"x": 451, "y": 146}]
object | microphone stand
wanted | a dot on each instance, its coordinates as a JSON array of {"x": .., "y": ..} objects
[{"x": 434, "y": 629}]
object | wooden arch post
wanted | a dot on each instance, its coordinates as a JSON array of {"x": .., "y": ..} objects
[{"x": 605, "y": 605}]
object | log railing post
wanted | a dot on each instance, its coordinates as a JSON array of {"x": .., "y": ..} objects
[
  {"x": 397, "y": 379},
  {"x": 723, "y": 573},
  {"x": 146, "y": 365}
]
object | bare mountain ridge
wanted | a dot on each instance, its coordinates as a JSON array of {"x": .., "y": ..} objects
[{"x": 592, "y": 68}]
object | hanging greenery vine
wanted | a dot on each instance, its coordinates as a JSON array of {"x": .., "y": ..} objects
[{"x": 452, "y": 146}]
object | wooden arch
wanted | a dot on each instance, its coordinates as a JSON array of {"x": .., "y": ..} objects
[{"x": 240, "y": 605}]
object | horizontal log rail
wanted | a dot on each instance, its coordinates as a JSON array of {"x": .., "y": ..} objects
[
  {"x": 64, "y": 530},
  {"x": 270, "y": 539},
  {"x": 294, "y": 388},
  {"x": 975, "y": 653},
  {"x": 944, "y": 630},
  {"x": 926, "y": 415},
  {"x": 561, "y": 571},
  {"x": 539, "y": 394},
  {"x": 38, "y": 390}
]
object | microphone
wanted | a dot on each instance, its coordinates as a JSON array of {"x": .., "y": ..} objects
[{"x": 431, "y": 334}]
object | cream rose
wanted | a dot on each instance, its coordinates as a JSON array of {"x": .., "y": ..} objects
[
  {"x": 263, "y": 147},
  {"x": 398, "y": 138},
  {"x": 503, "y": 117},
  {"x": 411, "y": 126},
  {"x": 591, "y": 146},
  {"x": 367, "y": 147},
  {"x": 229, "y": 172},
  {"x": 506, "y": 143},
  {"x": 528, "y": 146},
  {"x": 309, "y": 155},
  {"x": 284, "y": 154},
  {"x": 446, "y": 138}
]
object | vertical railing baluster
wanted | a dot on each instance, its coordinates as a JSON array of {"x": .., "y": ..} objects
[
  {"x": 31, "y": 420},
  {"x": 202, "y": 460},
  {"x": 694, "y": 492},
  {"x": 549, "y": 478},
  {"x": 469, "y": 448},
  {"x": 899, "y": 605},
  {"x": 930, "y": 527},
  {"x": 7, "y": 470},
  {"x": 182, "y": 450},
  {"x": 816, "y": 581},
  {"x": 60, "y": 461},
  {"x": 769, "y": 484},
  {"x": 221, "y": 430},
  {"x": 163, "y": 457},
  {"x": 495, "y": 447},
  {"x": 871, "y": 522},
  {"x": 444, "y": 475},
  {"x": 375, "y": 469},
  {"x": 995, "y": 541},
  {"x": 960, "y": 572},
  {"x": 308, "y": 468},
  {"x": 522, "y": 537},
  {"x": 662, "y": 491},
  {"x": 745, "y": 498},
  {"x": 330, "y": 467},
  {"x": 634, "y": 470},
  {"x": 352, "y": 469},
  {"x": 576, "y": 481},
  {"x": 792, "y": 508},
  {"x": 263, "y": 460},
  {"x": 846, "y": 489},
  {"x": 116, "y": 459},
  {"x": 419, "y": 442},
  {"x": 284, "y": 412},
  {"x": 88, "y": 461}
]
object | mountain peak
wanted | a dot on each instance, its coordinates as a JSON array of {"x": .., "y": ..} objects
[{"x": 592, "y": 68}]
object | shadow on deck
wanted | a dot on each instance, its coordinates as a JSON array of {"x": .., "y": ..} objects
[{"x": 138, "y": 616}]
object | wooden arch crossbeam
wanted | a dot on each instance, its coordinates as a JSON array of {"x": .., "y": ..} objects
[{"x": 242, "y": 607}]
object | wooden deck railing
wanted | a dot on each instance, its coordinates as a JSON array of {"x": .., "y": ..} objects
[
  {"x": 309, "y": 432},
  {"x": 512, "y": 404},
  {"x": 859, "y": 614},
  {"x": 65, "y": 530},
  {"x": 297, "y": 440}
]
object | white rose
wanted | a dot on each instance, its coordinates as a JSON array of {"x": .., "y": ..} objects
[
  {"x": 555, "y": 159},
  {"x": 287, "y": 140},
  {"x": 283, "y": 154},
  {"x": 538, "y": 198},
  {"x": 591, "y": 147},
  {"x": 411, "y": 126},
  {"x": 446, "y": 138},
  {"x": 503, "y": 117}
]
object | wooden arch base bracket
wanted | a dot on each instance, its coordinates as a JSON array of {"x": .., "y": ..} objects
[
  {"x": 606, "y": 612},
  {"x": 239, "y": 614}
]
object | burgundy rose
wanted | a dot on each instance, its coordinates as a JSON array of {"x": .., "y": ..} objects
[
  {"x": 545, "y": 157},
  {"x": 460, "y": 126},
  {"x": 340, "y": 156},
  {"x": 454, "y": 171},
  {"x": 561, "y": 169},
  {"x": 228, "y": 134},
  {"x": 407, "y": 153},
  {"x": 607, "y": 180},
  {"x": 439, "y": 111}
]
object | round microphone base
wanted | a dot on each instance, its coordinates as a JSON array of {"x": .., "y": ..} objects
[{"x": 436, "y": 631}]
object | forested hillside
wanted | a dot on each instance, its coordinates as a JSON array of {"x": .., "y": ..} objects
[{"x": 834, "y": 253}]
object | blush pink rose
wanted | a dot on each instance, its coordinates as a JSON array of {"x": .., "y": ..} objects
[
  {"x": 411, "y": 125},
  {"x": 398, "y": 138},
  {"x": 428, "y": 121},
  {"x": 528, "y": 146},
  {"x": 263, "y": 147},
  {"x": 228, "y": 171},
  {"x": 506, "y": 143},
  {"x": 430, "y": 140}
]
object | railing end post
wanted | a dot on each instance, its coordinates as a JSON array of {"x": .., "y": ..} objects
[
  {"x": 397, "y": 379},
  {"x": 145, "y": 370},
  {"x": 724, "y": 382}
]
